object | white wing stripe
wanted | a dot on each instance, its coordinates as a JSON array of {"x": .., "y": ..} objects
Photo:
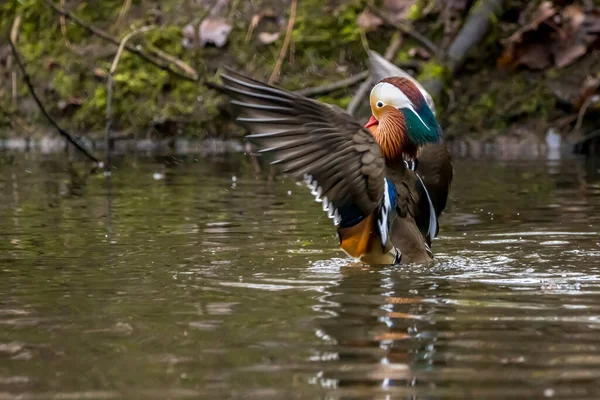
[
  {"x": 432, "y": 217},
  {"x": 317, "y": 191}
]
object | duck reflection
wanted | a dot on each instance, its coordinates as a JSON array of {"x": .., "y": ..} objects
[{"x": 381, "y": 332}]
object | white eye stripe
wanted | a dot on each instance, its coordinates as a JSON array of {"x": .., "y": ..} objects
[{"x": 390, "y": 94}]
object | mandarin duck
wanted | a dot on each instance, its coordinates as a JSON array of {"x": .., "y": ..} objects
[{"x": 383, "y": 184}]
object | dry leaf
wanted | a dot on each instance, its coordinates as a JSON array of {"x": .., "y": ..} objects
[
  {"x": 268, "y": 37},
  {"x": 550, "y": 37},
  {"x": 215, "y": 31},
  {"x": 541, "y": 14},
  {"x": 571, "y": 43},
  {"x": 568, "y": 56},
  {"x": 368, "y": 21}
]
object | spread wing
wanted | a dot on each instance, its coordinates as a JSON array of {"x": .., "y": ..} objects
[{"x": 321, "y": 144}]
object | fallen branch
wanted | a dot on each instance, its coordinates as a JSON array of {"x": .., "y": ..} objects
[
  {"x": 471, "y": 33},
  {"x": 286, "y": 43},
  {"x": 315, "y": 91},
  {"x": 109, "y": 90},
  {"x": 409, "y": 30},
  {"x": 27, "y": 79},
  {"x": 159, "y": 62}
]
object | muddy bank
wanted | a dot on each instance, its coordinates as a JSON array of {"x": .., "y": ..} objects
[{"x": 499, "y": 148}]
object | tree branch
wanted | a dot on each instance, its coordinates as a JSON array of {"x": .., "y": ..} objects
[
  {"x": 286, "y": 43},
  {"x": 315, "y": 91},
  {"x": 159, "y": 62},
  {"x": 471, "y": 33},
  {"x": 410, "y": 31},
  {"x": 27, "y": 79}
]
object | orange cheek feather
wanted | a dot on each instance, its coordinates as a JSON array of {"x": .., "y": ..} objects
[{"x": 390, "y": 133}]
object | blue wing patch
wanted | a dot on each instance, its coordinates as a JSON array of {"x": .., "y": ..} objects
[{"x": 348, "y": 215}]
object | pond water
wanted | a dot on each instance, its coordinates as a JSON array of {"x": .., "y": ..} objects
[{"x": 201, "y": 278}]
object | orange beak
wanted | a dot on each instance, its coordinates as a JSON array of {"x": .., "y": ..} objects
[{"x": 372, "y": 121}]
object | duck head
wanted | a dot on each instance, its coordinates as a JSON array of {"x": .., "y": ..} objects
[{"x": 402, "y": 121}]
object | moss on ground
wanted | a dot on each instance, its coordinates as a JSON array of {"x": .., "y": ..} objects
[
  {"x": 71, "y": 79},
  {"x": 327, "y": 46}
]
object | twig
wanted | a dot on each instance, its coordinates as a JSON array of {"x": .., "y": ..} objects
[
  {"x": 188, "y": 70},
  {"x": 354, "y": 79},
  {"x": 364, "y": 41},
  {"x": 63, "y": 26},
  {"x": 286, "y": 43},
  {"x": 14, "y": 32},
  {"x": 358, "y": 96},
  {"x": 588, "y": 102},
  {"x": 253, "y": 24},
  {"x": 109, "y": 90},
  {"x": 124, "y": 41},
  {"x": 233, "y": 8},
  {"x": 410, "y": 31},
  {"x": 308, "y": 92},
  {"x": 160, "y": 63},
  {"x": 122, "y": 13},
  {"x": 64, "y": 133},
  {"x": 394, "y": 45}
]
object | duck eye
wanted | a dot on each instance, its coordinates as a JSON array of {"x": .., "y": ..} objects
[{"x": 379, "y": 104}]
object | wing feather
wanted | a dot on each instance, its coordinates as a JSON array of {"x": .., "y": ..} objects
[{"x": 311, "y": 139}]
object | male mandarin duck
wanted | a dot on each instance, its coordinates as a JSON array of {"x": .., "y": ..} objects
[{"x": 384, "y": 184}]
